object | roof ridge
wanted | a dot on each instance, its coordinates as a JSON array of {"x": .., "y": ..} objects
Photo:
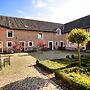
[
  {"x": 20, "y": 24},
  {"x": 29, "y": 19}
]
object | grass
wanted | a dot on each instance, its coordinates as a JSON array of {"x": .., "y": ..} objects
[
  {"x": 80, "y": 76},
  {"x": 76, "y": 77},
  {"x": 54, "y": 64}
]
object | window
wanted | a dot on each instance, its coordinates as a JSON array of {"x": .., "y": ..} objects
[
  {"x": 10, "y": 34},
  {"x": 9, "y": 44},
  {"x": 61, "y": 44},
  {"x": 30, "y": 43},
  {"x": 56, "y": 43},
  {"x": 58, "y": 31},
  {"x": 40, "y": 36}
]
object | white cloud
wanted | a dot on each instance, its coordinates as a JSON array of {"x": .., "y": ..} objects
[
  {"x": 20, "y": 11},
  {"x": 38, "y": 3},
  {"x": 60, "y": 11}
]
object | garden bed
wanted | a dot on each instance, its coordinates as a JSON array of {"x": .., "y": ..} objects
[
  {"x": 52, "y": 65},
  {"x": 76, "y": 77},
  {"x": 67, "y": 70}
]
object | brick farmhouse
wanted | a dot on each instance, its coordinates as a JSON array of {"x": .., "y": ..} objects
[{"x": 29, "y": 33}]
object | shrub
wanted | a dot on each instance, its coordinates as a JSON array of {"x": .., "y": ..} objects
[
  {"x": 51, "y": 65},
  {"x": 76, "y": 77},
  {"x": 72, "y": 56},
  {"x": 67, "y": 56}
]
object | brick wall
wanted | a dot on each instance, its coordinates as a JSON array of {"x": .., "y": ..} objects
[{"x": 27, "y": 35}]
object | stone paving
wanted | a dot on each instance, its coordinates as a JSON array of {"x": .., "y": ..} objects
[
  {"x": 51, "y": 54},
  {"x": 30, "y": 79},
  {"x": 54, "y": 54}
]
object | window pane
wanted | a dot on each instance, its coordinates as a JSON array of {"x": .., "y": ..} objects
[
  {"x": 40, "y": 36},
  {"x": 30, "y": 43},
  {"x": 58, "y": 31},
  {"x": 9, "y": 44},
  {"x": 9, "y": 33}
]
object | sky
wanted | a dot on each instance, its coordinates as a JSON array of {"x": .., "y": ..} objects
[{"x": 60, "y": 11}]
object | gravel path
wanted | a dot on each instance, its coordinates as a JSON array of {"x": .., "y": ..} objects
[
  {"x": 54, "y": 54},
  {"x": 29, "y": 79}
]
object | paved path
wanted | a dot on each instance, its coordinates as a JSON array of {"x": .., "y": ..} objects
[{"x": 26, "y": 77}]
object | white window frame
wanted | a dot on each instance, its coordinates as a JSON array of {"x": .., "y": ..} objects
[
  {"x": 57, "y": 43},
  {"x": 12, "y": 33},
  {"x": 7, "y": 44},
  {"x": 58, "y": 29},
  {"x": 29, "y": 44},
  {"x": 38, "y": 35},
  {"x": 60, "y": 43},
  {"x": 52, "y": 45}
]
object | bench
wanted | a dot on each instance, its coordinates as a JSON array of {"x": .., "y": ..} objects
[{"x": 6, "y": 60}]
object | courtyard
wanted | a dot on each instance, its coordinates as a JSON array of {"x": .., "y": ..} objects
[{"x": 22, "y": 74}]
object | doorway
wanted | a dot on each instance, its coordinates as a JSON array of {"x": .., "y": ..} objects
[{"x": 50, "y": 45}]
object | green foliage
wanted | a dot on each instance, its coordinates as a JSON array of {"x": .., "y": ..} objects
[
  {"x": 78, "y": 77},
  {"x": 78, "y": 35},
  {"x": 75, "y": 76},
  {"x": 67, "y": 56},
  {"x": 72, "y": 56},
  {"x": 52, "y": 64}
]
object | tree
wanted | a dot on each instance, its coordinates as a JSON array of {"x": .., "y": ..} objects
[
  {"x": 41, "y": 43},
  {"x": 80, "y": 37},
  {"x": 17, "y": 47}
]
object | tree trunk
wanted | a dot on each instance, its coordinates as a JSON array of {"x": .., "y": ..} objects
[{"x": 79, "y": 57}]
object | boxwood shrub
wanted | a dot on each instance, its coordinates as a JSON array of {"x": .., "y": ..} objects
[
  {"x": 51, "y": 65},
  {"x": 76, "y": 77}
]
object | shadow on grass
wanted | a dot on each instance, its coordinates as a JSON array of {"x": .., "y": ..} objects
[
  {"x": 30, "y": 83},
  {"x": 42, "y": 71}
]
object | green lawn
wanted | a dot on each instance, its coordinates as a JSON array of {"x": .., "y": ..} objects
[{"x": 54, "y": 64}]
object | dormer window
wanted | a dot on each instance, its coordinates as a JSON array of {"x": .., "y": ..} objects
[
  {"x": 40, "y": 36},
  {"x": 58, "y": 31}
]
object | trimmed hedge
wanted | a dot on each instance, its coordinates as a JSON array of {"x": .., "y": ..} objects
[
  {"x": 43, "y": 66},
  {"x": 51, "y": 65},
  {"x": 75, "y": 77},
  {"x": 68, "y": 72}
]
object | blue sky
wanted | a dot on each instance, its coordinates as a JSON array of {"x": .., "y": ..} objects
[{"x": 60, "y": 11}]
